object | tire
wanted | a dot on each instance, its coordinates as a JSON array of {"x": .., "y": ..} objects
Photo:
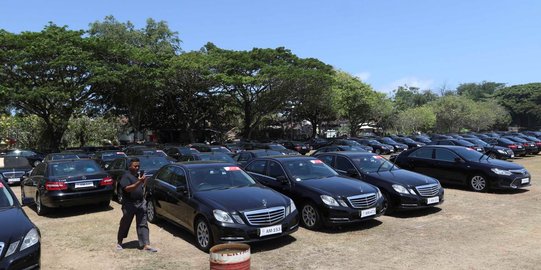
[
  {"x": 310, "y": 216},
  {"x": 152, "y": 217},
  {"x": 203, "y": 235},
  {"x": 377, "y": 151},
  {"x": 388, "y": 204},
  {"x": 478, "y": 183},
  {"x": 119, "y": 194},
  {"x": 41, "y": 209}
]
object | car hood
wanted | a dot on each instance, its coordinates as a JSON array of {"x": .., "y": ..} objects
[
  {"x": 500, "y": 164},
  {"x": 14, "y": 223},
  {"x": 337, "y": 186},
  {"x": 242, "y": 198},
  {"x": 402, "y": 177}
]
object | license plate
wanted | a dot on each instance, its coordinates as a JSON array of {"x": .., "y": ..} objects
[
  {"x": 525, "y": 180},
  {"x": 84, "y": 185},
  {"x": 368, "y": 212},
  {"x": 433, "y": 200},
  {"x": 14, "y": 180},
  {"x": 270, "y": 230}
]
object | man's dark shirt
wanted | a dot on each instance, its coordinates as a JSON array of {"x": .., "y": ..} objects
[{"x": 129, "y": 179}]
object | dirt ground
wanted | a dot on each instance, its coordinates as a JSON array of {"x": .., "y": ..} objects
[{"x": 497, "y": 230}]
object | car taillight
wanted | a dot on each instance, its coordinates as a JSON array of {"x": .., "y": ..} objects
[
  {"x": 538, "y": 143},
  {"x": 56, "y": 185},
  {"x": 526, "y": 144},
  {"x": 107, "y": 181},
  {"x": 298, "y": 148},
  {"x": 512, "y": 146}
]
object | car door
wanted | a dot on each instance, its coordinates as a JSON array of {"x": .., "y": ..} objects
[
  {"x": 446, "y": 168},
  {"x": 163, "y": 195},
  {"x": 181, "y": 208},
  {"x": 243, "y": 158},
  {"x": 257, "y": 169},
  {"x": 344, "y": 166},
  {"x": 275, "y": 171},
  {"x": 421, "y": 161},
  {"x": 31, "y": 182}
]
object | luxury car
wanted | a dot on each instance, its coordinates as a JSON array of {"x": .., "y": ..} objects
[
  {"x": 302, "y": 148},
  {"x": 338, "y": 148},
  {"x": 408, "y": 141},
  {"x": 244, "y": 157},
  {"x": 378, "y": 147},
  {"x": 20, "y": 243},
  {"x": 208, "y": 156},
  {"x": 12, "y": 169},
  {"x": 398, "y": 147},
  {"x": 322, "y": 195},
  {"x": 218, "y": 202},
  {"x": 530, "y": 146},
  {"x": 148, "y": 164},
  {"x": 105, "y": 158},
  {"x": 178, "y": 153},
  {"x": 402, "y": 189},
  {"x": 33, "y": 157},
  {"x": 493, "y": 151},
  {"x": 517, "y": 148},
  {"x": 457, "y": 164},
  {"x": 65, "y": 155},
  {"x": 64, "y": 183},
  {"x": 350, "y": 142},
  {"x": 276, "y": 147}
]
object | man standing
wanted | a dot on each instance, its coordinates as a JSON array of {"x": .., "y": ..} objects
[{"x": 134, "y": 204}]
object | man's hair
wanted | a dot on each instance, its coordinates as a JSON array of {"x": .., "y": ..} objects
[{"x": 133, "y": 160}]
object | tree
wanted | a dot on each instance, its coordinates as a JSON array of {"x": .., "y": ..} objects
[
  {"x": 47, "y": 74},
  {"x": 415, "y": 119},
  {"x": 406, "y": 97},
  {"x": 478, "y": 92},
  {"x": 523, "y": 103},
  {"x": 452, "y": 112}
]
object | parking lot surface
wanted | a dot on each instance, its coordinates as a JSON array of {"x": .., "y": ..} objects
[{"x": 495, "y": 230}]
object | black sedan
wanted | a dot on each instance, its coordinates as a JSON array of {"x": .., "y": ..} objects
[
  {"x": 456, "y": 164},
  {"x": 302, "y": 148},
  {"x": 105, "y": 158},
  {"x": 458, "y": 142},
  {"x": 244, "y": 157},
  {"x": 218, "y": 202},
  {"x": 33, "y": 157},
  {"x": 338, "y": 148},
  {"x": 276, "y": 147},
  {"x": 351, "y": 142},
  {"x": 64, "y": 183},
  {"x": 402, "y": 189},
  {"x": 323, "y": 196},
  {"x": 12, "y": 169},
  {"x": 398, "y": 147},
  {"x": 517, "y": 148},
  {"x": 493, "y": 151},
  {"x": 530, "y": 146},
  {"x": 149, "y": 164},
  {"x": 378, "y": 148},
  {"x": 179, "y": 153},
  {"x": 408, "y": 141},
  {"x": 208, "y": 156},
  {"x": 20, "y": 243}
]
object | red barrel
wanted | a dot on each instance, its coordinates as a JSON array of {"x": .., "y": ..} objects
[{"x": 230, "y": 257}]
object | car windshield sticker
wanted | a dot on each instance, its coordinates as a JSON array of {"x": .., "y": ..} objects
[
  {"x": 316, "y": 161},
  {"x": 378, "y": 157},
  {"x": 1, "y": 185},
  {"x": 469, "y": 149},
  {"x": 234, "y": 168}
]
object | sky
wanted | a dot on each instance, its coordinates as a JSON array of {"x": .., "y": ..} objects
[{"x": 429, "y": 44}]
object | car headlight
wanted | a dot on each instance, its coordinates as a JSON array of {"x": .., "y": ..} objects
[
  {"x": 291, "y": 207},
  {"x": 378, "y": 194},
  {"x": 31, "y": 238},
  {"x": 501, "y": 172},
  {"x": 222, "y": 216},
  {"x": 501, "y": 152},
  {"x": 12, "y": 248},
  {"x": 400, "y": 189},
  {"x": 328, "y": 200}
]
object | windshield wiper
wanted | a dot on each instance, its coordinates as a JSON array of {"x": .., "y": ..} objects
[{"x": 380, "y": 166}]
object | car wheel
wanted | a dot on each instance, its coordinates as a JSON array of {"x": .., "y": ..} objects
[
  {"x": 478, "y": 183},
  {"x": 311, "y": 218},
  {"x": 40, "y": 208},
  {"x": 203, "y": 235},
  {"x": 151, "y": 211},
  {"x": 119, "y": 194},
  {"x": 377, "y": 151},
  {"x": 388, "y": 204}
]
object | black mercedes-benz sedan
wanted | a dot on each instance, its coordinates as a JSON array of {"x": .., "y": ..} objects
[
  {"x": 218, "y": 202},
  {"x": 456, "y": 164},
  {"x": 402, "y": 189},
  {"x": 323, "y": 196},
  {"x": 64, "y": 183},
  {"x": 20, "y": 244},
  {"x": 12, "y": 169}
]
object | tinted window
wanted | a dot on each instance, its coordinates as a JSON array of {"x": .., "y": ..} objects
[
  {"x": 328, "y": 159},
  {"x": 74, "y": 167},
  {"x": 306, "y": 169},
  {"x": 165, "y": 174},
  {"x": 39, "y": 170},
  {"x": 218, "y": 177},
  {"x": 244, "y": 156},
  {"x": 343, "y": 164},
  {"x": 373, "y": 163},
  {"x": 445, "y": 155},
  {"x": 275, "y": 169},
  {"x": 258, "y": 166},
  {"x": 13, "y": 162},
  {"x": 6, "y": 200},
  {"x": 470, "y": 154},
  {"x": 422, "y": 153},
  {"x": 178, "y": 178},
  {"x": 152, "y": 162}
]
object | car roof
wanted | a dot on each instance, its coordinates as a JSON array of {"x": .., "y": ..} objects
[
  {"x": 349, "y": 153},
  {"x": 204, "y": 163}
]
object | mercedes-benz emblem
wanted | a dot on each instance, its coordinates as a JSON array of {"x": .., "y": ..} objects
[
  {"x": 264, "y": 202},
  {"x": 84, "y": 177}
]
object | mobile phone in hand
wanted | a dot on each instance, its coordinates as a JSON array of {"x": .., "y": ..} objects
[{"x": 141, "y": 173}]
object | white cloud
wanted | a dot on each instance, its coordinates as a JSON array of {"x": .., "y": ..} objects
[
  {"x": 422, "y": 84},
  {"x": 363, "y": 76}
]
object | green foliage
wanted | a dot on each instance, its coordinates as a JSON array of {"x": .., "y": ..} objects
[
  {"x": 417, "y": 119},
  {"x": 27, "y": 130},
  {"x": 86, "y": 131},
  {"x": 406, "y": 97},
  {"x": 478, "y": 92},
  {"x": 523, "y": 102}
]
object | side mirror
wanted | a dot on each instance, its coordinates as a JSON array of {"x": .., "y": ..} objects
[
  {"x": 28, "y": 201},
  {"x": 352, "y": 173},
  {"x": 182, "y": 189},
  {"x": 282, "y": 179}
]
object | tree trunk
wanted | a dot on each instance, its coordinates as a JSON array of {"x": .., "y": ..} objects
[{"x": 248, "y": 118}]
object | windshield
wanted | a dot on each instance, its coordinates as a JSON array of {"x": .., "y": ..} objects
[
  {"x": 470, "y": 154},
  {"x": 112, "y": 155},
  {"x": 219, "y": 177},
  {"x": 352, "y": 143},
  {"x": 507, "y": 141},
  {"x": 479, "y": 142},
  {"x": 517, "y": 139},
  {"x": 14, "y": 162},
  {"x": 69, "y": 168},
  {"x": 217, "y": 156},
  {"x": 465, "y": 143},
  {"x": 374, "y": 142},
  {"x": 306, "y": 169},
  {"x": 152, "y": 162},
  {"x": 372, "y": 164},
  {"x": 64, "y": 156},
  {"x": 408, "y": 140},
  {"x": 267, "y": 153},
  {"x": 6, "y": 200},
  {"x": 277, "y": 147}
]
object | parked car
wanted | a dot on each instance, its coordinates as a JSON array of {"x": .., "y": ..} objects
[
  {"x": 145, "y": 151},
  {"x": 456, "y": 164},
  {"x": 350, "y": 142},
  {"x": 302, "y": 148},
  {"x": 19, "y": 237},
  {"x": 12, "y": 169},
  {"x": 323, "y": 196},
  {"x": 316, "y": 143},
  {"x": 201, "y": 147},
  {"x": 148, "y": 164},
  {"x": 493, "y": 151},
  {"x": 420, "y": 138},
  {"x": 338, "y": 148},
  {"x": 377, "y": 147},
  {"x": 536, "y": 134},
  {"x": 518, "y": 149},
  {"x": 209, "y": 156},
  {"x": 398, "y": 147},
  {"x": 531, "y": 148},
  {"x": 64, "y": 156},
  {"x": 65, "y": 183},
  {"x": 402, "y": 189},
  {"x": 218, "y": 202},
  {"x": 458, "y": 142},
  {"x": 33, "y": 157},
  {"x": 408, "y": 141},
  {"x": 105, "y": 158},
  {"x": 178, "y": 152},
  {"x": 244, "y": 157},
  {"x": 276, "y": 147}
]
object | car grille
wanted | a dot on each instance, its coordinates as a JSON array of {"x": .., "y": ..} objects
[
  {"x": 428, "y": 190},
  {"x": 521, "y": 171},
  {"x": 16, "y": 174},
  {"x": 363, "y": 201},
  {"x": 266, "y": 216}
]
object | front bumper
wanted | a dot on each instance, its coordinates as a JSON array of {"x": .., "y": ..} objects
[
  {"x": 405, "y": 202},
  {"x": 26, "y": 259},
  {"x": 514, "y": 181},
  {"x": 56, "y": 199},
  {"x": 333, "y": 215},
  {"x": 244, "y": 233}
]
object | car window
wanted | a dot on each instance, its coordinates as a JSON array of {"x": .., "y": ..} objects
[
  {"x": 39, "y": 170},
  {"x": 244, "y": 156},
  {"x": 445, "y": 155},
  {"x": 258, "y": 166},
  {"x": 343, "y": 164},
  {"x": 275, "y": 169},
  {"x": 178, "y": 177},
  {"x": 328, "y": 159},
  {"x": 165, "y": 175},
  {"x": 422, "y": 153},
  {"x": 6, "y": 200},
  {"x": 306, "y": 169},
  {"x": 218, "y": 177},
  {"x": 74, "y": 167}
]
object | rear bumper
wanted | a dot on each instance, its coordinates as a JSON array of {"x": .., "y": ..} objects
[{"x": 60, "y": 199}]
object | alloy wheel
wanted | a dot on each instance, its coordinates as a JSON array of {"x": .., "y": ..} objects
[
  {"x": 119, "y": 194},
  {"x": 478, "y": 183},
  {"x": 203, "y": 234},
  {"x": 151, "y": 212},
  {"x": 309, "y": 216}
]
